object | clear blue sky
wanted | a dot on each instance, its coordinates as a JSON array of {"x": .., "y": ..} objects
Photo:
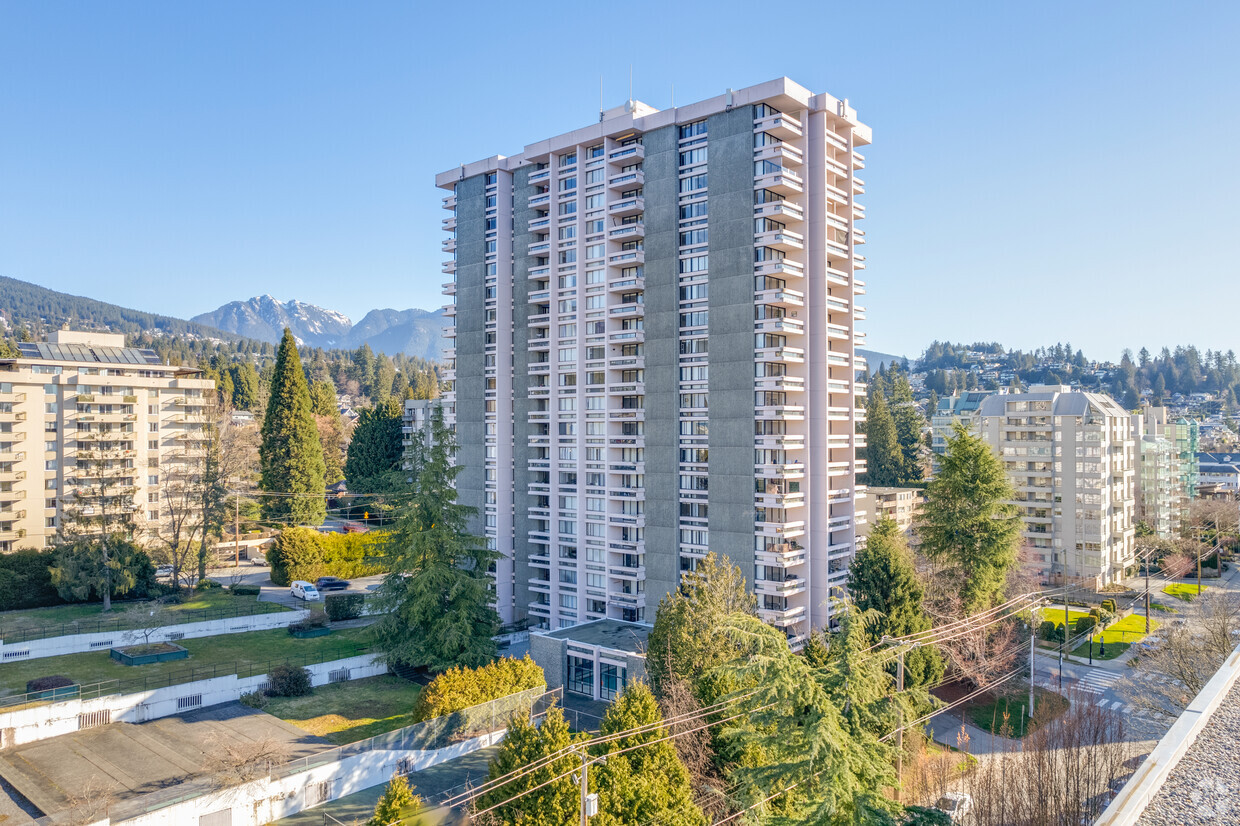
[{"x": 1041, "y": 171}]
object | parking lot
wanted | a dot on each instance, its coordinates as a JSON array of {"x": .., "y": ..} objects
[{"x": 261, "y": 576}]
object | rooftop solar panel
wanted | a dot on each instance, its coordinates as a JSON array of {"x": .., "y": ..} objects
[{"x": 98, "y": 355}]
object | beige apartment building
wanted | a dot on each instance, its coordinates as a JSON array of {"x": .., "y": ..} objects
[
  {"x": 93, "y": 432},
  {"x": 898, "y": 504},
  {"x": 1071, "y": 457}
]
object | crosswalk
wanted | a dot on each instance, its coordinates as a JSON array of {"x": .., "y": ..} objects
[{"x": 1096, "y": 681}]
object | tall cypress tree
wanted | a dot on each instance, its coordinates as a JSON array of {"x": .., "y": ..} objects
[
  {"x": 883, "y": 457},
  {"x": 290, "y": 452},
  {"x": 548, "y": 801},
  {"x": 908, "y": 423},
  {"x": 376, "y": 448}
]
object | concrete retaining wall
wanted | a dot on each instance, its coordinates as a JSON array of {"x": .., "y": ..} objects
[
  {"x": 41, "y": 722},
  {"x": 81, "y": 643}
]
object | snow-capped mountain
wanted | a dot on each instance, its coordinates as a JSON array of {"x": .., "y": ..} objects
[{"x": 413, "y": 332}]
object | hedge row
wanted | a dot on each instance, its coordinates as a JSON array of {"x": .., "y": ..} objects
[
  {"x": 460, "y": 688},
  {"x": 344, "y": 606},
  {"x": 26, "y": 576},
  {"x": 306, "y": 554}
]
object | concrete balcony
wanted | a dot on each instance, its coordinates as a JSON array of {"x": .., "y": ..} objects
[
  {"x": 627, "y": 284},
  {"x": 539, "y": 176},
  {"x": 449, "y": 202},
  {"x": 788, "y": 299},
  {"x": 449, "y": 223},
  {"x": 785, "y": 212},
  {"x": 782, "y": 618},
  {"x": 785, "y": 182},
  {"x": 784, "y": 154},
  {"x": 783, "y": 588},
  {"x": 627, "y": 232},
  {"x": 785, "y": 441},
  {"x": 788, "y": 470},
  {"x": 626, "y": 155},
  {"x": 628, "y": 206},
  {"x": 627, "y": 180},
  {"x": 780, "y": 500},
  {"x": 789, "y": 355},
  {"x": 448, "y": 245},
  {"x": 783, "y": 326},
  {"x": 781, "y": 268},
  {"x": 783, "y": 239},
  {"x": 539, "y": 223},
  {"x": 785, "y": 127},
  {"x": 787, "y": 384},
  {"x": 627, "y": 258},
  {"x": 782, "y": 555}
]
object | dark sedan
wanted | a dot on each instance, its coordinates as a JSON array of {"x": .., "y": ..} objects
[{"x": 331, "y": 583}]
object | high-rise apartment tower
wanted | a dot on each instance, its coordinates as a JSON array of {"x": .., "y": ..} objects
[{"x": 653, "y": 354}]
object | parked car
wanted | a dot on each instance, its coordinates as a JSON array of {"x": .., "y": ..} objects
[
  {"x": 304, "y": 590},
  {"x": 332, "y": 583},
  {"x": 163, "y": 572},
  {"x": 955, "y": 805},
  {"x": 258, "y": 561}
]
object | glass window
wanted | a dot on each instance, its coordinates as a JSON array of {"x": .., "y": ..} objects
[
  {"x": 611, "y": 680},
  {"x": 580, "y": 676}
]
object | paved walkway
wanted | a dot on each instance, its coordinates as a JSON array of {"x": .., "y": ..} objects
[{"x": 945, "y": 728}]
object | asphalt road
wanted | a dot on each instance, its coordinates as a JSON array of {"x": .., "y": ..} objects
[{"x": 261, "y": 576}]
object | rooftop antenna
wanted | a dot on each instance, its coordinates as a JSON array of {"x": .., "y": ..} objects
[{"x": 600, "y": 98}]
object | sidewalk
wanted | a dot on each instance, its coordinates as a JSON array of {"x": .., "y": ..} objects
[{"x": 945, "y": 729}]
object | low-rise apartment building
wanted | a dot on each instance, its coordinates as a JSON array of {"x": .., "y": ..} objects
[
  {"x": 899, "y": 504},
  {"x": 1072, "y": 459},
  {"x": 94, "y": 433}
]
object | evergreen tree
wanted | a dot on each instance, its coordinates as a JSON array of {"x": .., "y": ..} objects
[
  {"x": 815, "y": 730},
  {"x": 558, "y": 801},
  {"x": 290, "y": 454},
  {"x": 376, "y": 449},
  {"x": 323, "y": 399},
  {"x": 437, "y": 594},
  {"x": 245, "y": 386},
  {"x": 883, "y": 457},
  {"x": 649, "y": 783},
  {"x": 395, "y": 804},
  {"x": 882, "y": 579},
  {"x": 908, "y": 424},
  {"x": 965, "y": 522},
  {"x": 685, "y": 643}
]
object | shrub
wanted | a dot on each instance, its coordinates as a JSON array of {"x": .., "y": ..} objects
[
  {"x": 309, "y": 623},
  {"x": 26, "y": 580},
  {"x": 245, "y": 590},
  {"x": 1085, "y": 624},
  {"x": 1046, "y": 631},
  {"x": 46, "y": 683},
  {"x": 344, "y": 606},
  {"x": 205, "y": 584},
  {"x": 459, "y": 688},
  {"x": 288, "y": 681},
  {"x": 254, "y": 699},
  {"x": 1108, "y": 605},
  {"x": 76, "y": 571},
  {"x": 304, "y": 553}
]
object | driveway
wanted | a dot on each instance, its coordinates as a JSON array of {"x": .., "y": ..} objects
[{"x": 261, "y": 576}]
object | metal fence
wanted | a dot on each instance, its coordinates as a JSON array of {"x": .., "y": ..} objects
[
  {"x": 242, "y": 669},
  {"x": 425, "y": 736},
  {"x": 20, "y": 634}
]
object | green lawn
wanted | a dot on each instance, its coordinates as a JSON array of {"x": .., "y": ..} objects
[
  {"x": 352, "y": 711},
  {"x": 1047, "y": 706},
  {"x": 226, "y": 653},
  {"x": 1183, "y": 590},
  {"x": 86, "y": 615},
  {"x": 1118, "y": 637}
]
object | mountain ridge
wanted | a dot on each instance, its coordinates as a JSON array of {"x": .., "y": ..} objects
[{"x": 413, "y": 332}]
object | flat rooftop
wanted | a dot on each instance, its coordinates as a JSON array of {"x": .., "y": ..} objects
[
  {"x": 629, "y": 637},
  {"x": 129, "y": 760}
]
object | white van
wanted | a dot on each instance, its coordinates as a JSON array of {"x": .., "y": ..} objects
[{"x": 304, "y": 590}]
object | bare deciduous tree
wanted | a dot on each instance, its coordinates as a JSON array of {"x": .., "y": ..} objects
[
  {"x": 1187, "y": 653},
  {"x": 88, "y": 804},
  {"x": 1058, "y": 774},
  {"x": 233, "y": 762},
  {"x": 146, "y": 620}
]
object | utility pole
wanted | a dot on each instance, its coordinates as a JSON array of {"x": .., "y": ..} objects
[
  {"x": 1064, "y": 642},
  {"x": 900, "y": 730},
  {"x": 589, "y": 802},
  {"x": 1147, "y": 589},
  {"x": 237, "y": 530},
  {"x": 1033, "y": 647}
]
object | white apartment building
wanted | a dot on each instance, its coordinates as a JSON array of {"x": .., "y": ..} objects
[
  {"x": 91, "y": 429},
  {"x": 1072, "y": 458},
  {"x": 652, "y": 354}
]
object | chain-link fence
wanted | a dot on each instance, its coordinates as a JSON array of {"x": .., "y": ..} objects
[{"x": 21, "y": 633}]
